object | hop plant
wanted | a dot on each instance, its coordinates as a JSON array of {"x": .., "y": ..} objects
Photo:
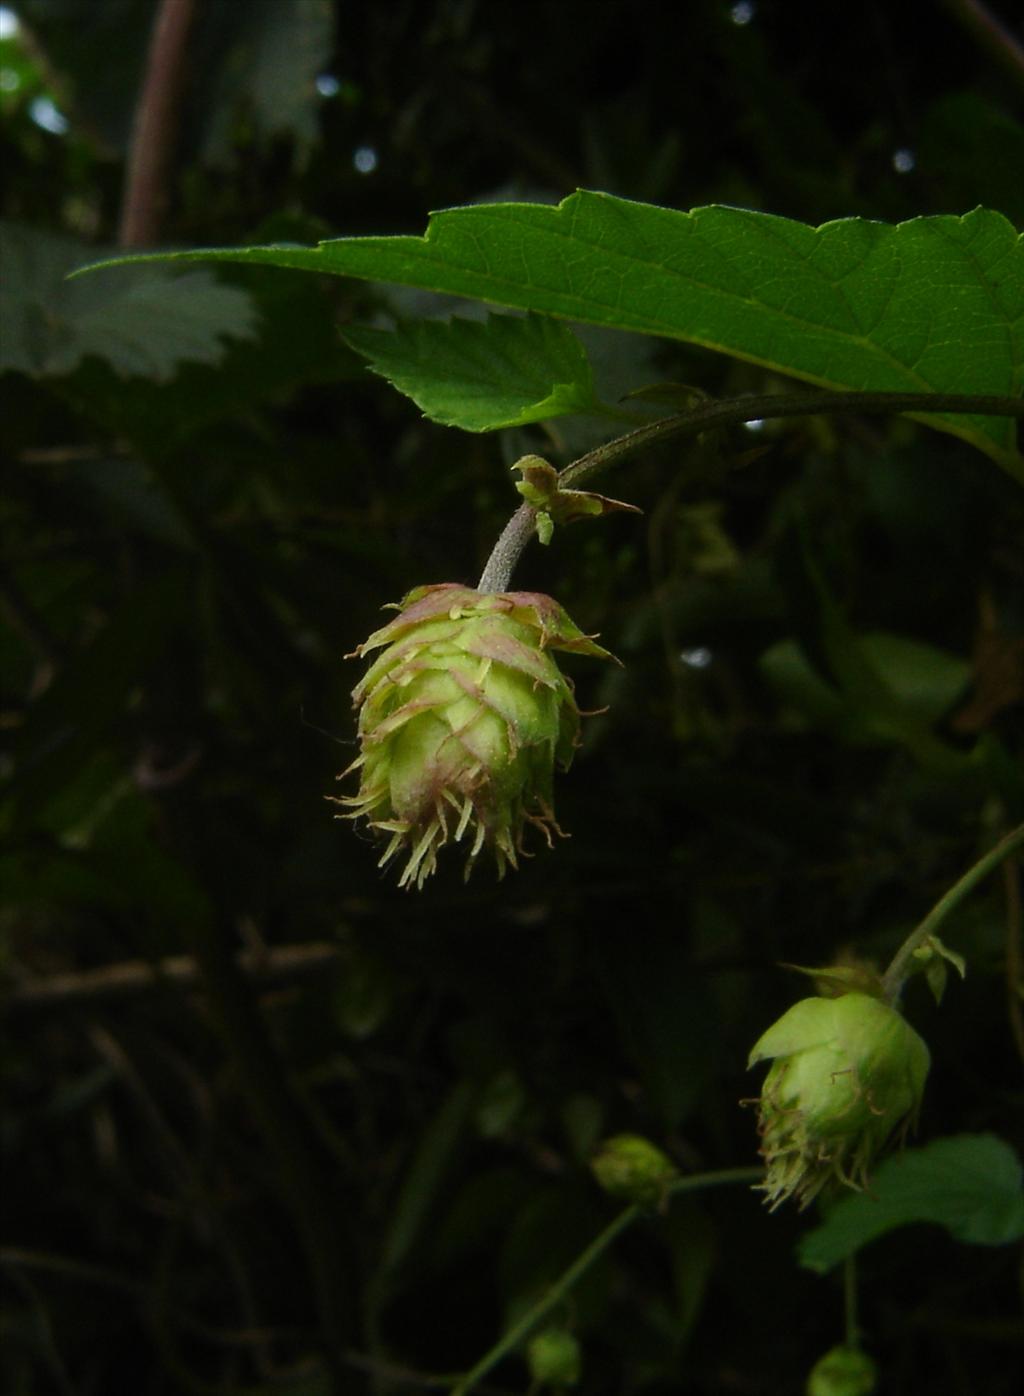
[
  {"x": 846, "y": 1073},
  {"x": 462, "y": 718}
]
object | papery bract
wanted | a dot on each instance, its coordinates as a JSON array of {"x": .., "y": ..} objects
[{"x": 462, "y": 719}]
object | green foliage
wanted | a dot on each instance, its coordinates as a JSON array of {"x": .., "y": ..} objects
[
  {"x": 934, "y": 304},
  {"x": 972, "y": 1185},
  {"x": 502, "y": 372},
  {"x": 141, "y": 326},
  {"x": 272, "y": 1125}
]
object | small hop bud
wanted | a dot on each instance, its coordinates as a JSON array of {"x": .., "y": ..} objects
[
  {"x": 462, "y": 718},
  {"x": 631, "y": 1167},
  {"x": 554, "y": 1358},
  {"x": 846, "y": 1073},
  {"x": 843, "y": 1371}
]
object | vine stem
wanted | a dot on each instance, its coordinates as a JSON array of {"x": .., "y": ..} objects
[
  {"x": 896, "y": 975},
  {"x": 520, "y": 1331},
  {"x": 497, "y": 574}
]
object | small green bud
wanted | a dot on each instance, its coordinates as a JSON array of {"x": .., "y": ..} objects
[
  {"x": 632, "y": 1168},
  {"x": 846, "y": 1073},
  {"x": 462, "y": 718},
  {"x": 843, "y": 1372},
  {"x": 554, "y": 1358}
]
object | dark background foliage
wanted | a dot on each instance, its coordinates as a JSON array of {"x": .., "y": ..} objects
[{"x": 336, "y": 1136}]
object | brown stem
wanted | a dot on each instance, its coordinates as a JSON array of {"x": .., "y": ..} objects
[
  {"x": 130, "y": 978},
  {"x": 155, "y": 125}
]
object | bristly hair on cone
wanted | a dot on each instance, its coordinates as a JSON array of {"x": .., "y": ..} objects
[{"x": 462, "y": 718}]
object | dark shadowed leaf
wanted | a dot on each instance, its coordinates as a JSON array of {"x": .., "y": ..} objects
[{"x": 971, "y": 1184}]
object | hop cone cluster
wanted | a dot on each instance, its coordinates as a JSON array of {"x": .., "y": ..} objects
[
  {"x": 846, "y": 1073},
  {"x": 462, "y": 717}
]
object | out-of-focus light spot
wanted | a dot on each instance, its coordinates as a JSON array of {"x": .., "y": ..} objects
[
  {"x": 365, "y": 159},
  {"x": 903, "y": 160},
  {"x": 10, "y": 81},
  {"x": 698, "y": 657},
  {"x": 328, "y": 85},
  {"x": 755, "y": 424},
  {"x": 742, "y": 12},
  {"x": 9, "y": 23},
  {"x": 45, "y": 114}
]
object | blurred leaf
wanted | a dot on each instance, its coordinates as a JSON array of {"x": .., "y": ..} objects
[
  {"x": 690, "y": 1236},
  {"x": 143, "y": 329},
  {"x": 424, "y": 1178},
  {"x": 933, "y": 304},
  {"x": 481, "y": 376},
  {"x": 923, "y": 681},
  {"x": 971, "y": 1184},
  {"x": 271, "y": 58},
  {"x": 666, "y": 1018},
  {"x": 974, "y": 152}
]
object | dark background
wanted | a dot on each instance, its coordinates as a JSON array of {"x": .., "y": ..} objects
[{"x": 346, "y": 1161}]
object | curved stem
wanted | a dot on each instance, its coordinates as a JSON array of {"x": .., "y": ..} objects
[
  {"x": 896, "y": 975},
  {"x": 520, "y": 1331},
  {"x": 517, "y": 533}
]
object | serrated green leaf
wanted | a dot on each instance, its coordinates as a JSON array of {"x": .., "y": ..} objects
[
  {"x": 972, "y": 1184},
  {"x": 143, "y": 327},
  {"x": 933, "y": 304},
  {"x": 504, "y": 372}
]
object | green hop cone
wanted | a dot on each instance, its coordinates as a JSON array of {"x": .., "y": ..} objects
[
  {"x": 843, "y": 1371},
  {"x": 846, "y": 1073},
  {"x": 554, "y": 1358},
  {"x": 631, "y": 1167},
  {"x": 462, "y": 718}
]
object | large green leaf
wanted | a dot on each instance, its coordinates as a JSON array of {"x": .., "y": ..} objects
[
  {"x": 931, "y": 305},
  {"x": 504, "y": 372},
  {"x": 971, "y": 1184}
]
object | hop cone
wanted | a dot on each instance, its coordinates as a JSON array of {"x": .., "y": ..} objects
[
  {"x": 461, "y": 720},
  {"x": 846, "y": 1073}
]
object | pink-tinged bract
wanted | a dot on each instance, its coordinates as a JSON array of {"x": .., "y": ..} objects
[{"x": 463, "y": 716}]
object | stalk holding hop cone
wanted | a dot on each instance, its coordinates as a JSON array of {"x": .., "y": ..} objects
[{"x": 462, "y": 718}]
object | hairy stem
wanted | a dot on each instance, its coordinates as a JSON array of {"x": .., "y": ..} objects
[
  {"x": 520, "y": 1331},
  {"x": 497, "y": 574},
  {"x": 896, "y": 975}
]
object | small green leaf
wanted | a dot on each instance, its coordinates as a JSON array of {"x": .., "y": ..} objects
[
  {"x": 504, "y": 372},
  {"x": 970, "y": 1183},
  {"x": 539, "y": 487},
  {"x": 932, "y": 957}
]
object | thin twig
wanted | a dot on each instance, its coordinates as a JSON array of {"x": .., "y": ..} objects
[{"x": 130, "y": 978}]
